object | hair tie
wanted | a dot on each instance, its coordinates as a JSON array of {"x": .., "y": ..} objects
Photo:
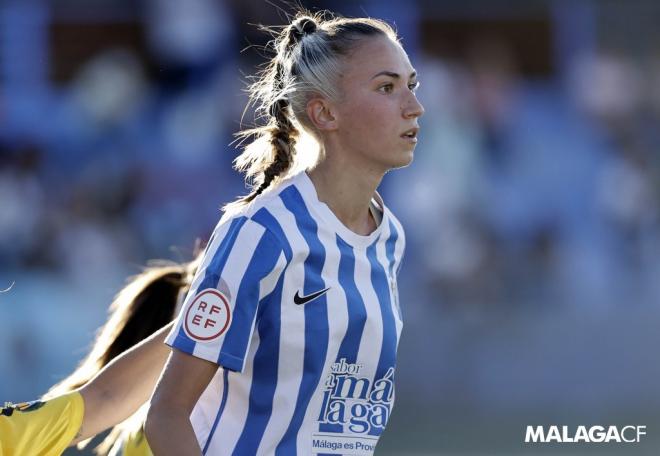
[{"x": 301, "y": 28}]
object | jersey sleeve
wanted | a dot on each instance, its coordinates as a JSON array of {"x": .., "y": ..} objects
[
  {"x": 239, "y": 269},
  {"x": 41, "y": 427}
]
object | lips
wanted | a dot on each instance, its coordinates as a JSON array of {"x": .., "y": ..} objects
[{"x": 410, "y": 133}]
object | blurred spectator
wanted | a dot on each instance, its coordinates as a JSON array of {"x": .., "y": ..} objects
[{"x": 22, "y": 200}]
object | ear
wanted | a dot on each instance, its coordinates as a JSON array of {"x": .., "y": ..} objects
[{"x": 322, "y": 114}]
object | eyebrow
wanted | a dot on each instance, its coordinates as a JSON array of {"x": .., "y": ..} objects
[{"x": 393, "y": 75}]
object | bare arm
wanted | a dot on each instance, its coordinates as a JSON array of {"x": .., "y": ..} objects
[
  {"x": 168, "y": 426},
  {"x": 122, "y": 386}
]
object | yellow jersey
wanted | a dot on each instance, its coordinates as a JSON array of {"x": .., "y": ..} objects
[
  {"x": 40, "y": 428},
  {"x": 134, "y": 444}
]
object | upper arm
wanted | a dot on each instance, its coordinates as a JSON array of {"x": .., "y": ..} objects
[
  {"x": 113, "y": 394},
  {"x": 116, "y": 380},
  {"x": 168, "y": 428},
  {"x": 182, "y": 382}
]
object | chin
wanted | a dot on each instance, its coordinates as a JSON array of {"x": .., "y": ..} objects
[
  {"x": 403, "y": 159},
  {"x": 393, "y": 159}
]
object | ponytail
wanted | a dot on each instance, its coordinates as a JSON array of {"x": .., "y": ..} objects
[{"x": 281, "y": 133}]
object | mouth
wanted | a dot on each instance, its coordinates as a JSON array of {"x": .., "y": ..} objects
[{"x": 411, "y": 134}]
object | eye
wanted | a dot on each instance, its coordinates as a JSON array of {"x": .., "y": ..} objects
[
  {"x": 386, "y": 88},
  {"x": 413, "y": 86}
]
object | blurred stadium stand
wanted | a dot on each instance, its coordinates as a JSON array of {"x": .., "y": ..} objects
[{"x": 531, "y": 288}]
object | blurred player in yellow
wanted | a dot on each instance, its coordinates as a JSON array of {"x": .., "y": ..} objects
[{"x": 112, "y": 383}]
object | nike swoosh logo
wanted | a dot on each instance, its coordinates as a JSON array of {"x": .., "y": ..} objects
[{"x": 310, "y": 297}]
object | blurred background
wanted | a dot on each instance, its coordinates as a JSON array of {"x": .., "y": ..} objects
[{"x": 531, "y": 286}]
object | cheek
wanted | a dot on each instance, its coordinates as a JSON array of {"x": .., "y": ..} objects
[
  {"x": 366, "y": 132},
  {"x": 370, "y": 117}
]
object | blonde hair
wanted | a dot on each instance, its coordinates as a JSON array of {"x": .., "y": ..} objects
[{"x": 308, "y": 62}]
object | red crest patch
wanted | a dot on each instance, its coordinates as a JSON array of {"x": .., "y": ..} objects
[{"x": 208, "y": 316}]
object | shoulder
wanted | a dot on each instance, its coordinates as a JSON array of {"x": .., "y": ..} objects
[
  {"x": 41, "y": 427},
  {"x": 279, "y": 212},
  {"x": 266, "y": 218}
]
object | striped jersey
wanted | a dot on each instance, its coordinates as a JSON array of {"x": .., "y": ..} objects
[{"x": 302, "y": 315}]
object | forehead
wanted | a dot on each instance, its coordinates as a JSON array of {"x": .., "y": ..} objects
[{"x": 375, "y": 55}]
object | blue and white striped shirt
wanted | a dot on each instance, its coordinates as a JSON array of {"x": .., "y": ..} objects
[{"x": 303, "y": 316}]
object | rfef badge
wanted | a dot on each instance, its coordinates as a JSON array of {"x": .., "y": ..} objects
[{"x": 208, "y": 316}]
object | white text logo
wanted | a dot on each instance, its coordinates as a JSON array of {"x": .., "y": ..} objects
[{"x": 596, "y": 434}]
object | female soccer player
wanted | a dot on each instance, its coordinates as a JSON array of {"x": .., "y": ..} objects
[{"x": 295, "y": 298}]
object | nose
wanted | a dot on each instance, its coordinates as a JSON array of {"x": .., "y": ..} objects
[{"x": 413, "y": 108}]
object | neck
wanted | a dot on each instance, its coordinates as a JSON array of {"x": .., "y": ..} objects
[{"x": 347, "y": 190}]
